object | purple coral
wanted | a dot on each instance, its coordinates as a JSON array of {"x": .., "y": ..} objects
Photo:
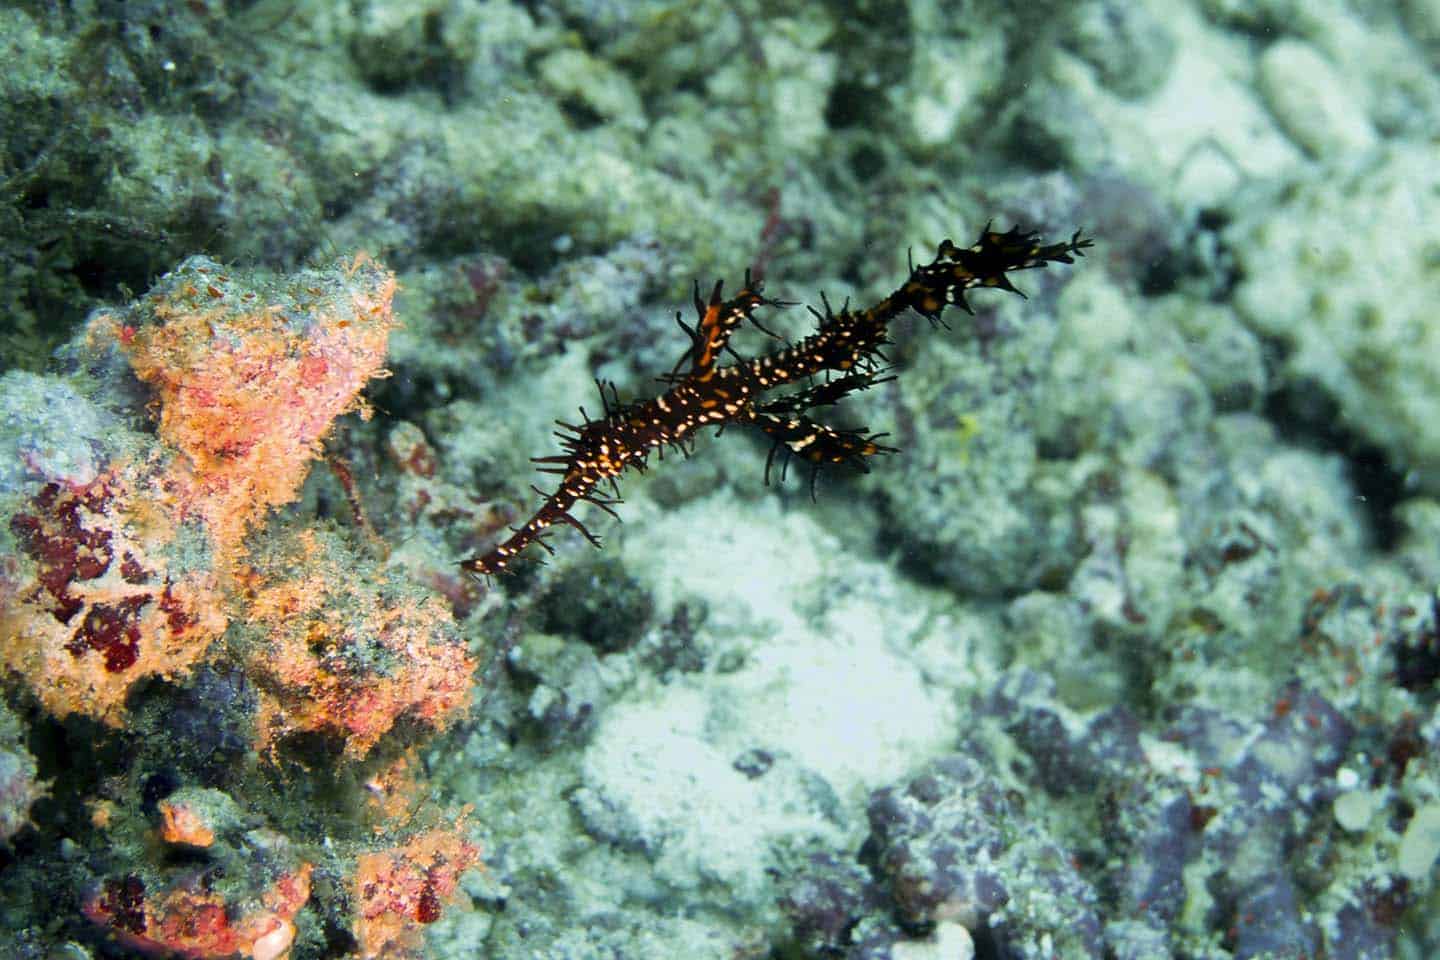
[{"x": 953, "y": 846}]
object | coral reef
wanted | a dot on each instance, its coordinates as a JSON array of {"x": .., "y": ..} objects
[
  {"x": 1154, "y": 575},
  {"x": 401, "y": 889},
  {"x": 103, "y": 598},
  {"x": 249, "y": 377},
  {"x": 122, "y": 574},
  {"x": 19, "y": 784},
  {"x": 948, "y": 848},
  {"x": 240, "y": 900},
  {"x": 335, "y": 645},
  {"x": 152, "y": 588},
  {"x": 1369, "y": 329}
]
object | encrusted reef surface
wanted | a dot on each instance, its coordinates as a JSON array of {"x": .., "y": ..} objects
[
  {"x": 222, "y": 705},
  {"x": 1131, "y": 651}
]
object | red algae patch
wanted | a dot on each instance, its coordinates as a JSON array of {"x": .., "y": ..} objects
[{"x": 107, "y": 600}]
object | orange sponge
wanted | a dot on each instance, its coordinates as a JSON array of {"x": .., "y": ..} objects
[
  {"x": 399, "y": 890},
  {"x": 338, "y": 645},
  {"x": 109, "y": 597},
  {"x": 250, "y": 375}
]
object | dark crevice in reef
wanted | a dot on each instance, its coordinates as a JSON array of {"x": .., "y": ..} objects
[{"x": 1308, "y": 415}]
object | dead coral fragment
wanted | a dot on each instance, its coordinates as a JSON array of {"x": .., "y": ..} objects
[
  {"x": 250, "y": 376},
  {"x": 339, "y": 647}
]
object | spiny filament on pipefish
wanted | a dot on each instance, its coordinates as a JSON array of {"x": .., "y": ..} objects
[{"x": 846, "y": 348}]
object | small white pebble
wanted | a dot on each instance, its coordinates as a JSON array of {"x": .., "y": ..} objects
[
  {"x": 950, "y": 941},
  {"x": 1420, "y": 846},
  {"x": 275, "y": 944}
]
